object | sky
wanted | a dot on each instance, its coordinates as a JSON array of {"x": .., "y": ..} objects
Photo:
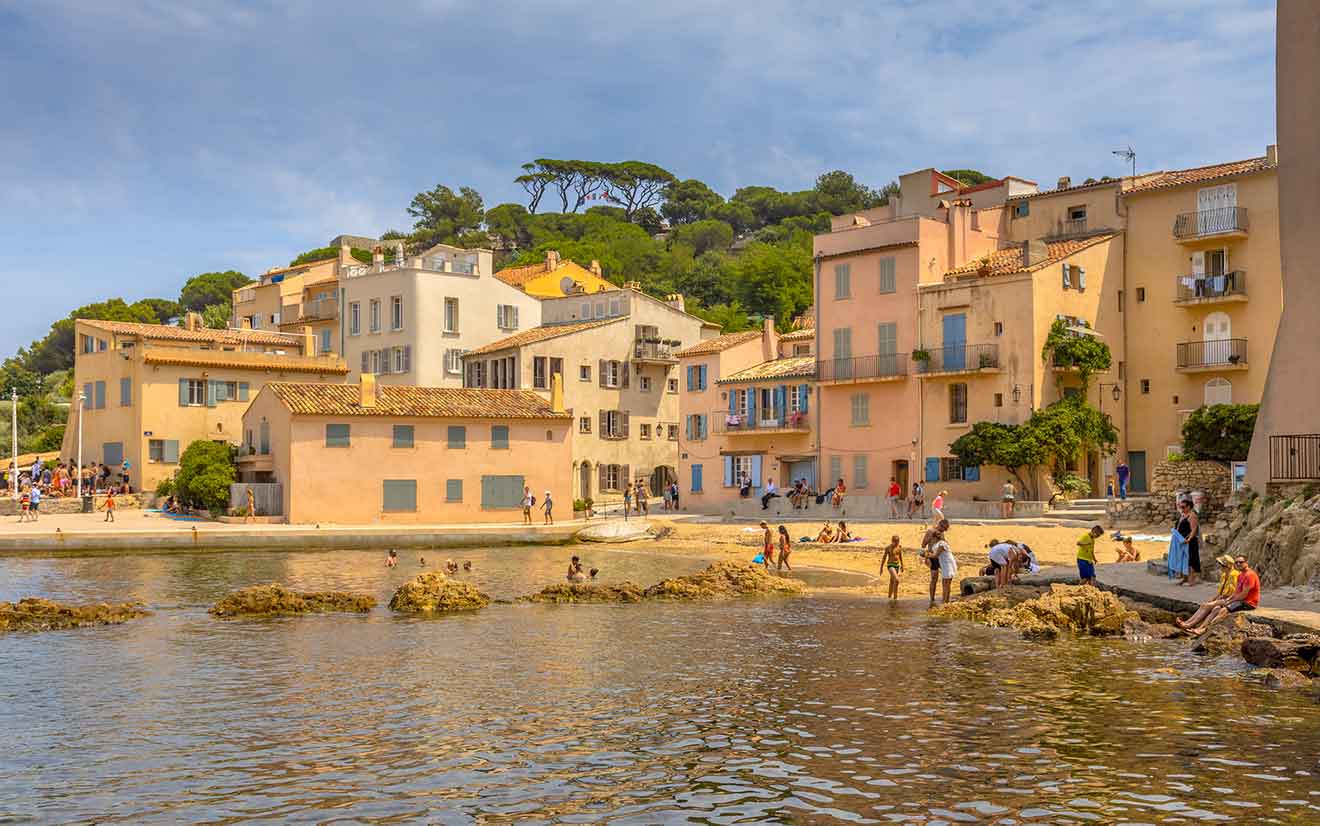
[{"x": 144, "y": 142}]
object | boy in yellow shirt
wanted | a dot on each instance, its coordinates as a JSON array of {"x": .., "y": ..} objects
[{"x": 1086, "y": 554}]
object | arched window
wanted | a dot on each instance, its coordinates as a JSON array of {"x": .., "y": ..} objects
[
  {"x": 584, "y": 480},
  {"x": 1218, "y": 391}
]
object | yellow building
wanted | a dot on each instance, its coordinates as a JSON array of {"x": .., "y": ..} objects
[
  {"x": 150, "y": 390},
  {"x": 555, "y": 278}
]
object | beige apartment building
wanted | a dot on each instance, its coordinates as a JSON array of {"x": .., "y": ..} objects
[
  {"x": 617, "y": 353},
  {"x": 148, "y": 390}
]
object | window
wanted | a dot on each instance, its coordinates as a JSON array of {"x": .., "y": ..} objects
[
  {"x": 557, "y": 368},
  {"x": 999, "y": 328},
  {"x": 951, "y": 469},
  {"x": 958, "y": 403},
  {"x": 125, "y": 392},
  {"x": 457, "y": 437},
  {"x": 373, "y": 315},
  {"x": 1067, "y": 277},
  {"x": 454, "y": 361},
  {"x": 1077, "y": 213},
  {"x": 842, "y": 281},
  {"x": 1145, "y": 385},
  {"x": 696, "y": 427},
  {"x": 696, "y": 478},
  {"x": 540, "y": 380},
  {"x": 600, "y": 309},
  {"x": 644, "y": 431},
  {"x": 613, "y": 424},
  {"x": 451, "y": 315},
  {"x": 1141, "y": 295},
  {"x": 584, "y": 424},
  {"x": 398, "y": 495},
  {"x": 355, "y": 318},
  {"x": 506, "y": 316},
  {"x": 163, "y": 450},
  {"x": 801, "y": 349},
  {"x": 888, "y": 283},
  {"x": 999, "y": 400},
  {"x": 502, "y": 491},
  {"x": 613, "y": 477},
  {"x": 671, "y": 385},
  {"x": 336, "y": 435},
  {"x": 396, "y": 312},
  {"x": 610, "y": 374},
  {"x": 859, "y": 472},
  {"x": 400, "y": 363},
  {"x": 742, "y": 466},
  {"x": 1021, "y": 209},
  {"x": 453, "y": 490},
  {"x": 403, "y": 435},
  {"x": 499, "y": 437},
  {"x": 836, "y": 469},
  {"x": 645, "y": 384},
  {"x": 861, "y": 409},
  {"x": 1218, "y": 391},
  {"x": 696, "y": 378},
  {"x": 586, "y": 310},
  {"x": 325, "y": 340},
  {"x": 615, "y": 307},
  {"x": 375, "y": 361},
  {"x": 584, "y": 372},
  {"x": 673, "y": 432},
  {"x": 192, "y": 392}
]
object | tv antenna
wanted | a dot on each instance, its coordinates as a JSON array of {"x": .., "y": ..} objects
[{"x": 1129, "y": 155}]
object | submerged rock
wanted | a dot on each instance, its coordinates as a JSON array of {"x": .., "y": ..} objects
[
  {"x": 1226, "y": 636},
  {"x": 1150, "y": 613},
  {"x": 1064, "y": 609},
  {"x": 725, "y": 580},
  {"x": 587, "y": 592},
  {"x": 273, "y": 600},
  {"x": 37, "y": 614},
  {"x": 1281, "y": 678},
  {"x": 435, "y": 592},
  {"x": 1295, "y": 652}
]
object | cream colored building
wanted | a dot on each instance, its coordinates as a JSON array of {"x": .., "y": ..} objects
[
  {"x": 617, "y": 353},
  {"x": 358, "y": 453},
  {"x": 265, "y": 304},
  {"x": 150, "y": 390}
]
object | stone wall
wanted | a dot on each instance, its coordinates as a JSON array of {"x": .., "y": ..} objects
[{"x": 1211, "y": 478}]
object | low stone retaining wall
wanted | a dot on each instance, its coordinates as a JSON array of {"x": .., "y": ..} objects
[
  {"x": 1213, "y": 479},
  {"x": 1146, "y": 510},
  {"x": 72, "y": 504},
  {"x": 874, "y": 508}
]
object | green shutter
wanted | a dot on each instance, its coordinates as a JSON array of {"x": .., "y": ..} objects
[
  {"x": 125, "y": 392},
  {"x": 499, "y": 437},
  {"x": 399, "y": 495},
  {"x": 457, "y": 437},
  {"x": 242, "y": 391},
  {"x": 403, "y": 435},
  {"x": 170, "y": 452},
  {"x": 453, "y": 490}
]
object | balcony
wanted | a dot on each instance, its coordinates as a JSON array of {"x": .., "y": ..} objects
[
  {"x": 1212, "y": 356},
  {"x": 1193, "y": 290},
  {"x": 1217, "y": 224},
  {"x": 320, "y": 309},
  {"x": 762, "y": 422},
  {"x": 885, "y": 367},
  {"x": 1068, "y": 229},
  {"x": 648, "y": 352},
  {"x": 958, "y": 359},
  {"x": 251, "y": 459}
]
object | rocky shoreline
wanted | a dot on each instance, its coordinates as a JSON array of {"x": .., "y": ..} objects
[
  {"x": 721, "y": 580},
  {"x": 37, "y": 614},
  {"x": 274, "y": 600},
  {"x": 433, "y": 592}
]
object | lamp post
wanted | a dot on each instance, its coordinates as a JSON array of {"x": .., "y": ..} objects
[
  {"x": 82, "y": 400},
  {"x": 13, "y": 409},
  {"x": 1116, "y": 393}
]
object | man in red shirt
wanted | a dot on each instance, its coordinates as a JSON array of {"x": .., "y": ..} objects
[
  {"x": 1245, "y": 597},
  {"x": 894, "y": 492}
]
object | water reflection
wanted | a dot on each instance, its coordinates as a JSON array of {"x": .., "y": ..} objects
[{"x": 815, "y": 710}]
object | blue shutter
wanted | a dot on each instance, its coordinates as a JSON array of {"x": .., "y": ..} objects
[
  {"x": 696, "y": 478},
  {"x": 804, "y": 394},
  {"x": 733, "y": 402},
  {"x": 703, "y": 371},
  {"x": 170, "y": 451},
  {"x": 126, "y": 392},
  {"x": 183, "y": 392},
  {"x": 242, "y": 391},
  {"x": 932, "y": 469},
  {"x": 728, "y": 471},
  {"x": 705, "y": 425},
  {"x": 756, "y": 471},
  {"x": 100, "y": 395},
  {"x": 971, "y": 473},
  {"x": 453, "y": 490},
  {"x": 781, "y": 401},
  {"x": 499, "y": 437},
  {"x": 687, "y": 427},
  {"x": 751, "y": 404},
  {"x": 211, "y": 393}
]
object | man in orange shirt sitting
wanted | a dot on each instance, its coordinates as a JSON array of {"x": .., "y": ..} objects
[{"x": 1245, "y": 597}]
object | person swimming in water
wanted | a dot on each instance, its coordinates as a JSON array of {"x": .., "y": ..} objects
[
  {"x": 392, "y": 559},
  {"x": 575, "y": 572},
  {"x": 467, "y": 564}
]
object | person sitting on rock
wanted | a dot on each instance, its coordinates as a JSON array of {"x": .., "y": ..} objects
[{"x": 1245, "y": 597}]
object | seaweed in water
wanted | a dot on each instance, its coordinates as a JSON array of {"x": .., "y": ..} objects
[
  {"x": 274, "y": 600},
  {"x": 434, "y": 592},
  {"x": 37, "y": 614}
]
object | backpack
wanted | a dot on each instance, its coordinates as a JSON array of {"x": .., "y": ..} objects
[{"x": 533, "y": 501}]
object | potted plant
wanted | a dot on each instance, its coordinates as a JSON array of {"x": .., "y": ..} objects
[
  {"x": 986, "y": 360},
  {"x": 922, "y": 358}
]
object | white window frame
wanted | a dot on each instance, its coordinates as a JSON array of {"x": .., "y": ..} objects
[
  {"x": 373, "y": 316},
  {"x": 612, "y": 475},
  {"x": 644, "y": 383},
  {"x": 644, "y": 431},
  {"x": 454, "y": 361},
  {"x": 613, "y": 424},
  {"x": 584, "y": 424},
  {"x": 671, "y": 385},
  {"x": 612, "y": 374},
  {"x": 396, "y": 312},
  {"x": 584, "y": 372},
  {"x": 540, "y": 372},
  {"x": 742, "y": 464},
  {"x": 396, "y": 359},
  {"x": 196, "y": 393},
  {"x": 451, "y": 320}
]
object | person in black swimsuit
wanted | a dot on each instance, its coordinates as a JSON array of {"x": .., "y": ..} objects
[{"x": 1189, "y": 527}]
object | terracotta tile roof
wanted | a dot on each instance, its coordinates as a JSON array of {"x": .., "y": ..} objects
[
  {"x": 1060, "y": 189},
  {"x": 803, "y": 334},
  {"x": 246, "y": 361},
  {"x": 719, "y": 344},
  {"x": 1202, "y": 174},
  {"x": 1010, "y": 260},
  {"x": 519, "y": 276},
  {"x": 806, "y": 319},
  {"x": 542, "y": 333},
  {"x": 304, "y": 265},
  {"x": 795, "y": 367},
  {"x": 304, "y": 399},
  {"x": 169, "y": 332}
]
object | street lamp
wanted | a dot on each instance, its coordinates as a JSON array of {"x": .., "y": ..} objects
[
  {"x": 1115, "y": 392},
  {"x": 82, "y": 400},
  {"x": 13, "y": 410}
]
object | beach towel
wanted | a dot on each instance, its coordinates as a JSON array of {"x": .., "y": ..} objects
[
  {"x": 759, "y": 559},
  {"x": 1178, "y": 551}
]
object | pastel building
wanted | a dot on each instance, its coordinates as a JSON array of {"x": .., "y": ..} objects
[
  {"x": 362, "y": 453},
  {"x": 617, "y": 353},
  {"x": 748, "y": 412},
  {"x": 147, "y": 391},
  {"x": 555, "y": 277}
]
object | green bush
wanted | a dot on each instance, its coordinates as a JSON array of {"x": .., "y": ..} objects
[
  {"x": 1067, "y": 349},
  {"x": 1220, "y": 432},
  {"x": 1071, "y": 486},
  {"x": 165, "y": 487},
  {"x": 206, "y": 470},
  {"x": 322, "y": 253},
  {"x": 582, "y": 504}
]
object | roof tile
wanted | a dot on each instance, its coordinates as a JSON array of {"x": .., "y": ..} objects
[
  {"x": 168, "y": 332},
  {"x": 542, "y": 333},
  {"x": 795, "y": 367},
  {"x": 421, "y": 402},
  {"x": 245, "y": 361},
  {"x": 719, "y": 344},
  {"x": 1010, "y": 260},
  {"x": 1200, "y": 174}
]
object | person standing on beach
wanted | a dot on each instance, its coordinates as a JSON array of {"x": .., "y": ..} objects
[
  {"x": 931, "y": 556},
  {"x": 109, "y": 506},
  {"x": 947, "y": 565},
  {"x": 527, "y": 501},
  {"x": 915, "y": 504},
  {"x": 893, "y": 562},
  {"x": 252, "y": 506},
  {"x": 894, "y": 493},
  {"x": 767, "y": 545},
  {"x": 1086, "y": 554},
  {"x": 785, "y": 548},
  {"x": 627, "y": 501},
  {"x": 1189, "y": 528},
  {"x": 34, "y": 504},
  {"x": 1122, "y": 472},
  {"x": 547, "y": 506},
  {"x": 937, "y": 505},
  {"x": 673, "y": 494},
  {"x": 1008, "y": 499}
]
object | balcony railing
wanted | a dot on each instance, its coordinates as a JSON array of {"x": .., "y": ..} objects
[
  {"x": 1226, "y": 352},
  {"x": 1295, "y": 458},
  {"x": 1201, "y": 287},
  {"x": 862, "y": 368},
  {"x": 434, "y": 264},
  {"x": 759, "y": 422},
  {"x": 650, "y": 351},
  {"x": 1210, "y": 222},
  {"x": 320, "y": 309},
  {"x": 1069, "y": 228},
  {"x": 959, "y": 358}
]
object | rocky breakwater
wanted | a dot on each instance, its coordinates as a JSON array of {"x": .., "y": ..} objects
[
  {"x": 722, "y": 580},
  {"x": 1062, "y": 610},
  {"x": 36, "y": 614},
  {"x": 1280, "y": 537},
  {"x": 274, "y": 600},
  {"x": 434, "y": 592}
]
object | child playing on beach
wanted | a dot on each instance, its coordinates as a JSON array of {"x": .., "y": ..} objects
[
  {"x": 109, "y": 506},
  {"x": 937, "y": 505},
  {"x": 575, "y": 572},
  {"x": 547, "y": 505},
  {"x": 785, "y": 548},
  {"x": 893, "y": 562},
  {"x": 931, "y": 555},
  {"x": 24, "y": 503},
  {"x": 948, "y": 566},
  {"x": 1086, "y": 554},
  {"x": 1128, "y": 553}
]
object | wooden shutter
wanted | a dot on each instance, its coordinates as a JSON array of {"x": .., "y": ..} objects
[
  {"x": 623, "y": 419},
  {"x": 601, "y": 372},
  {"x": 366, "y": 361},
  {"x": 756, "y": 471},
  {"x": 407, "y": 358},
  {"x": 804, "y": 395},
  {"x": 211, "y": 393},
  {"x": 624, "y": 380},
  {"x": 624, "y": 478},
  {"x": 604, "y": 422},
  {"x": 687, "y": 427},
  {"x": 690, "y": 372},
  {"x": 728, "y": 471},
  {"x": 932, "y": 469},
  {"x": 242, "y": 391},
  {"x": 601, "y": 472}
]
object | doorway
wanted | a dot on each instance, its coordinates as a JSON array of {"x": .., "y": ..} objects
[
  {"x": 661, "y": 478},
  {"x": 1137, "y": 471},
  {"x": 900, "y": 473},
  {"x": 584, "y": 480}
]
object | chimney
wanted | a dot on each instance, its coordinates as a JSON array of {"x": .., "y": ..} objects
[
  {"x": 1064, "y": 182},
  {"x": 1272, "y": 154},
  {"x": 551, "y": 260},
  {"x": 245, "y": 323},
  {"x": 368, "y": 391},
  {"x": 769, "y": 339},
  {"x": 959, "y": 221},
  {"x": 557, "y": 393},
  {"x": 595, "y": 268},
  {"x": 675, "y": 300},
  {"x": 345, "y": 256},
  {"x": 192, "y": 320},
  {"x": 309, "y": 341},
  {"x": 1033, "y": 252}
]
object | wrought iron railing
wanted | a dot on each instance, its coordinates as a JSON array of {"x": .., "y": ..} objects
[
  {"x": 653, "y": 351},
  {"x": 758, "y": 422},
  {"x": 1210, "y": 222},
  {"x": 1212, "y": 353},
  {"x": 1201, "y": 287},
  {"x": 319, "y": 309},
  {"x": 1075, "y": 226},
  {"x": 860, "y": 368},
  {"x": 956, "y": 358},
  {"x": 1295, "y": 457}
]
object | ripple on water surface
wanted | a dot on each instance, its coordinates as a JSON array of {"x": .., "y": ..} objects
[{"x": 814, "y": 710}]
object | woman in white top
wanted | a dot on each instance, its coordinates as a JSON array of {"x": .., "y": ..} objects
[{"x": 948, "y": 565}]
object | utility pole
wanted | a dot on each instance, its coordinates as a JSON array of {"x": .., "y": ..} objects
[
  {"x": 82, "y": 400},
  {"x": 13, "y": 409}
]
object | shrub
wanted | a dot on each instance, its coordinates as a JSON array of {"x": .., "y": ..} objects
[
  {"x": 1220, "y": 432},
  {"x": 165, "y": 487},
  {"x": 582, "y": 504},
  {"x": 1070, "y": 485},
  {"x": 1067, "y": 349},
  {"x": 206, "y": 470}
]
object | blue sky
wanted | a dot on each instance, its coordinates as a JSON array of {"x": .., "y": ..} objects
[{"x": 145, "y": 142}]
